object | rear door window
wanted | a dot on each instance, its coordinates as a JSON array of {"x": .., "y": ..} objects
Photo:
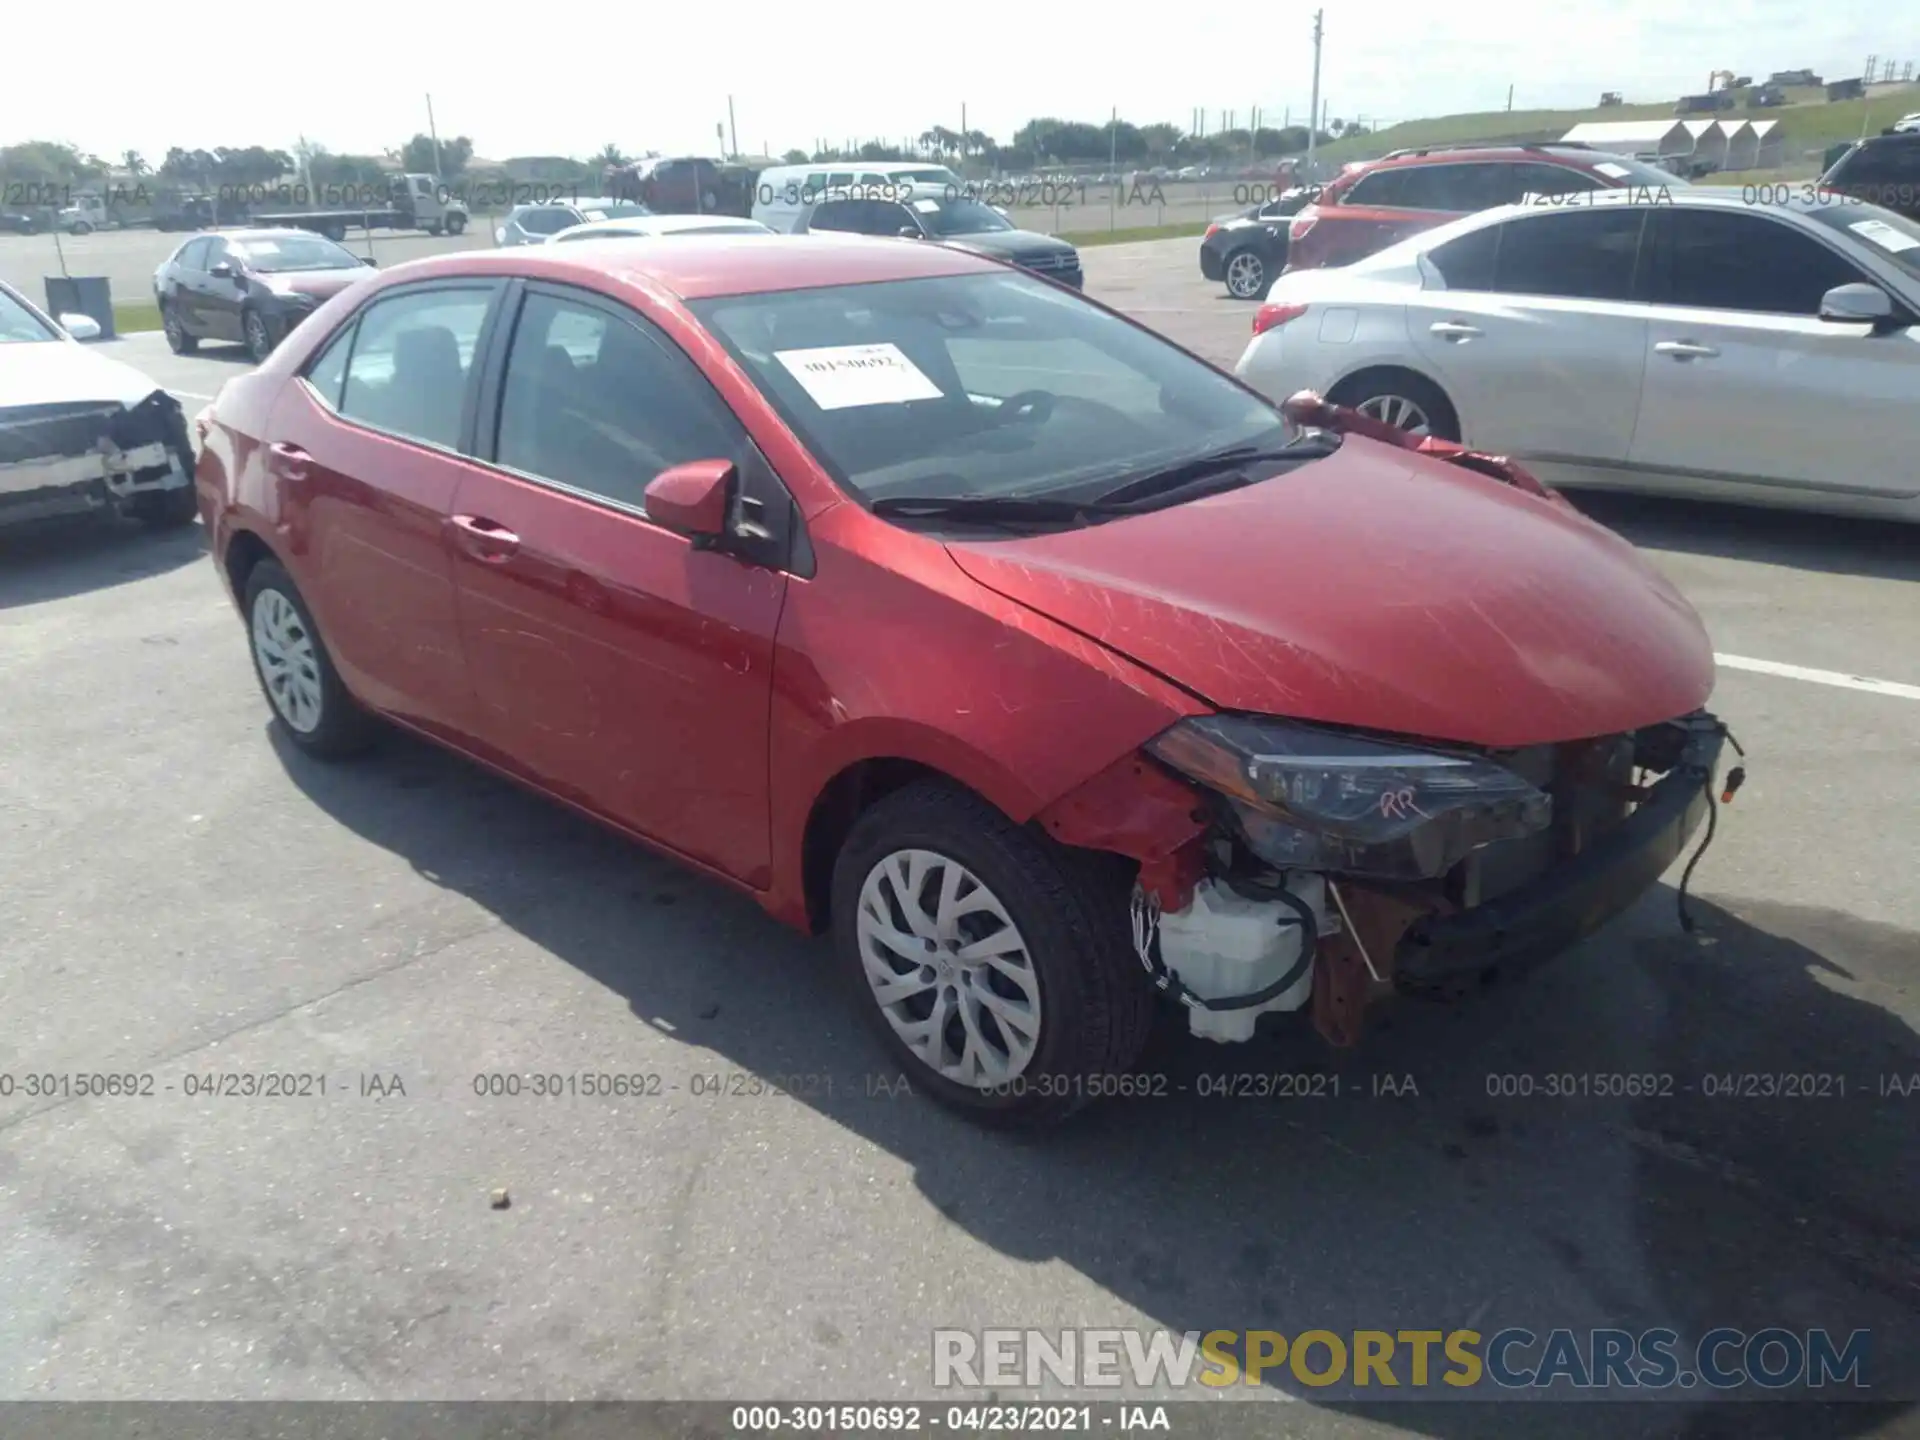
[
  {"x": 1579, "y": 255},
  {"x": 411, "y": 361},
  {"x": 838, "y": 215},
  {"x": 1466, "y": 263}
]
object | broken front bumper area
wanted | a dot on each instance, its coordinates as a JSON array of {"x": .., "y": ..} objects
[
  {"x": 1575, "y": 898},
  {"x": 81, "y": 458}
]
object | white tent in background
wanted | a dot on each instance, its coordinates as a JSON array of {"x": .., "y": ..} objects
[
  {"x": 1743, "y": 144},
  {"x": 1769, "y": 145},
  {"x": 1710, "y": 140},
  {"x": 1633, "y": 137}
]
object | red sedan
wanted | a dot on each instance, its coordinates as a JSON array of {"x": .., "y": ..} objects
[{"x": 938, "y": 607}]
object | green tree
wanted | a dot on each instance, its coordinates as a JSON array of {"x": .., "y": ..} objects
[
  {"x": 48, "y": 162},
  {"x": 417, "y": 156},
  {"x": 610, "y": 157},
  {"x": 795, "y": 157}
]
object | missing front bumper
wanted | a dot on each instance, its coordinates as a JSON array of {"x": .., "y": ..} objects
[{"x": 1534, "y": 923}]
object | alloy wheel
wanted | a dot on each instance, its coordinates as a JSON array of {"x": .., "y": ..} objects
[
  {"x": 257, "y": 343},
  {"x": 289, "y": 667},
  {"x": 948, "y": 968},
  {"x": 1245, "y": 274},
  {"x": 1398, "y": 411}
]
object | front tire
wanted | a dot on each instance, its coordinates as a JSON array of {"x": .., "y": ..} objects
[
  {"x": 258, "y": 334},
  {"x": 996, "y": 966},
  {"x": 166, "y": 509},
  {"x": 310, "y": 703},
  {"x": 178, "y": 340},
  {"x": 455, "y": 224}
]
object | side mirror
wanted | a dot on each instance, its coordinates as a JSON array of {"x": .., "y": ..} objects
[
  {"x": 693, "y": 499},
  {"x": 909, "y": 232},
  {"x": 1857, "y": 304},
  {"x": 369, "y": 260},
  {"x": 222, "y": 271},
  {"x": 81, "y": 327}
]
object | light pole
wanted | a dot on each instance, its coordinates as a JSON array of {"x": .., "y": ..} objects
[{"x": 1313, "y": 110}]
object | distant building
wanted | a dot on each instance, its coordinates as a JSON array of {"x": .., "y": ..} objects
[
  {"x": 1794, "y": 77},
  {"x": 1633, "y": 137},
  {"x": 1846, "y": 90},
  {"x": 1610, "y": 98}
]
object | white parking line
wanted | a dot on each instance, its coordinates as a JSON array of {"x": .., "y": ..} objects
[
  {"x": 187, "y": 394},
  {"x": 1820, "y": 677}
]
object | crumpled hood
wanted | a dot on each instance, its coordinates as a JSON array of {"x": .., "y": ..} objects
[
  {"x": 1381, "y": 590},
  {"x": 51, "y": 372}
]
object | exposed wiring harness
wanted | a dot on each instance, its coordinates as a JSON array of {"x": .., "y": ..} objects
[{"x": 1736, "y": 777}]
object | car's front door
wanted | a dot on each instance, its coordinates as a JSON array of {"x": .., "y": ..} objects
[
  {"x": 1537, "y": 337},
  {"x": 189, "y": 280},
  {"x": 220, "y": 295},
  {"x": 364, "y": 456},
  {"x": 1744, "y": 381},
  {"x": 616, "y": 662}
]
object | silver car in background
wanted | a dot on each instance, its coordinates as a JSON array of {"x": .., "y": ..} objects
[
  {"x": 534, "y": 224},
  {"x": 1693, "y": 341}
]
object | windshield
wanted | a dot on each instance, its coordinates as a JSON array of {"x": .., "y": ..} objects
[
  {"x": 18, "y": 323},
  {"x": 959, "y": 216},
  {"x": 1891, "y": 237},
  {"x": 294, "y": 252},
  {"x": 980, "y": 385},
  {"x": 615, "y": 212}
]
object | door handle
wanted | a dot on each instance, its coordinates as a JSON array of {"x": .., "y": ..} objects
[
  {"x": 1454, "y": 330},
  {"x": 483, "y": 538},
  {"x": 289, "y": 462},
  {"x": 1685, "y": 350}
]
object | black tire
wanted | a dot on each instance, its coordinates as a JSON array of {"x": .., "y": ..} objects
[
  {"x": 258, "y": 331},
  {"x": 343, "y": 728},
  {"x": 1072, "y": 911},
  {"x": 455, "y": 224},
  {"x": 335, "y": 233},
  {"x": 434, "y": 228},
  {"x": 1376, "y": 386},
  {"x": 1253, "y": 277},
  {"x": 81, "y": 227},
  {"x": 165, "y": 509},
  {"x": 178, "y": 340}
]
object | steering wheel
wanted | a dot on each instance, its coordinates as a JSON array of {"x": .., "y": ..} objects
[{"x": 1029, "y": 407}]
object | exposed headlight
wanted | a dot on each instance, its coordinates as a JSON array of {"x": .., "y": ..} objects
[{"x": 1310, "y": 799}]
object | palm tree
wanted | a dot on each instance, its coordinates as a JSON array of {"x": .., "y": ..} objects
[
  {"x": 610, "y": 157},
  {"x": 134, "y": 163}
]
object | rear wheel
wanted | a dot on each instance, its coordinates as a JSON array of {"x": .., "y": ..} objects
[
  {"x": 1403, "y": 399},
  {"x": 310, "y": 702},
  {"x": 178, "y": 340},
  {"x": 434, "y": 228},
  {"x": 1246, "y": 275},
  {"x": 996, "y": 966},
  {"x": 456, "y": 223}
]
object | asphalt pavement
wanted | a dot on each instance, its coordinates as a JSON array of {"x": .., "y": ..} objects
[{"x": 185, "y": 897}]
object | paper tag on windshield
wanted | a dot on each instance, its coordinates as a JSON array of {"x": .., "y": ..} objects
[
  {"x": 1883, "y": 235},
  {"x": 839, "y": 377},
  {"x": 926, "y": 207},
  {"x": 1612, "y": 171}
]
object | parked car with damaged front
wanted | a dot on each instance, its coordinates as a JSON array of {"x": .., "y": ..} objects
[
  {"x": 81, "y": 433},
  {"x": 1049, "y": 670}
]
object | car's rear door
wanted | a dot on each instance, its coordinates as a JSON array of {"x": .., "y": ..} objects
[
  {"x": 221, "y": 295},
  {"x": 363, "y": 452},
  {"x": 617, "y": 663},
  {"x": 1744, "y": 381},
  {"x": 1538, "y": 337}
]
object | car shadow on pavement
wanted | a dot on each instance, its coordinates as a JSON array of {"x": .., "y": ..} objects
[
  {"x": 53, "y": 560},
  {"x": 1428, "y": 1180},
  {"x": 1832, "y": 544}
]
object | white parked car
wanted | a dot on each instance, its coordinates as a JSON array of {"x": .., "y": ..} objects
[
  {"x": 80, "y": 432},
  {"x": 632, "y": 225},
  {"x": 1907, "y": 124},
  {"x": 1689, "y": 343}
]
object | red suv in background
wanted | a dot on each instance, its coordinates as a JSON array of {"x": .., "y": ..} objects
[{"x": 1371, "y": 206}]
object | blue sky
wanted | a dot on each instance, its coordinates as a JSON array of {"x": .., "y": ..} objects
[{"x": 567, "y": 76}]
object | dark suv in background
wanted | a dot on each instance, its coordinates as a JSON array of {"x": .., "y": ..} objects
[
  {"x": 1882, "y": 170},
  {"x": 1372, "y": 206}
]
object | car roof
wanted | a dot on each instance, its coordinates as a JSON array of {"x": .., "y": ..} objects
[
  {"x": 663, "y": 225},
  {"x": 254, "y": 232},
  {"x": 1455, "y": 154},
  {"x": 699, "y": 267}
]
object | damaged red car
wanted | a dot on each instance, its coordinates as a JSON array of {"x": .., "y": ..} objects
[{"x": 1053, "y": 672}]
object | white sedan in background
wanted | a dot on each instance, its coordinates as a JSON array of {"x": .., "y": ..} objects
[
  {"x": 1677, "y": 342},
  {"x": 632, "y": 225}
]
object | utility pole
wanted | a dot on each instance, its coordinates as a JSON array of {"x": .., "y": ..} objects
[
  {"x": 1313, "y": 110},
  {"x": 434, "y": 135},
  {"x": 1113, "y": 140},
  {"x": 1509, "y": 99},
  {"x": 733, "y": 135}
]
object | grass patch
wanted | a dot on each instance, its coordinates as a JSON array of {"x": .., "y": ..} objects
[
  {"x": 132, "y": 316},
  {"x": 1084, "y": 238},
  {"x": 1808, "y": 123}
]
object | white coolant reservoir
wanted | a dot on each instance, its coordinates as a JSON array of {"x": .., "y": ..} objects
[{"x": 1225, "y": 944}]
